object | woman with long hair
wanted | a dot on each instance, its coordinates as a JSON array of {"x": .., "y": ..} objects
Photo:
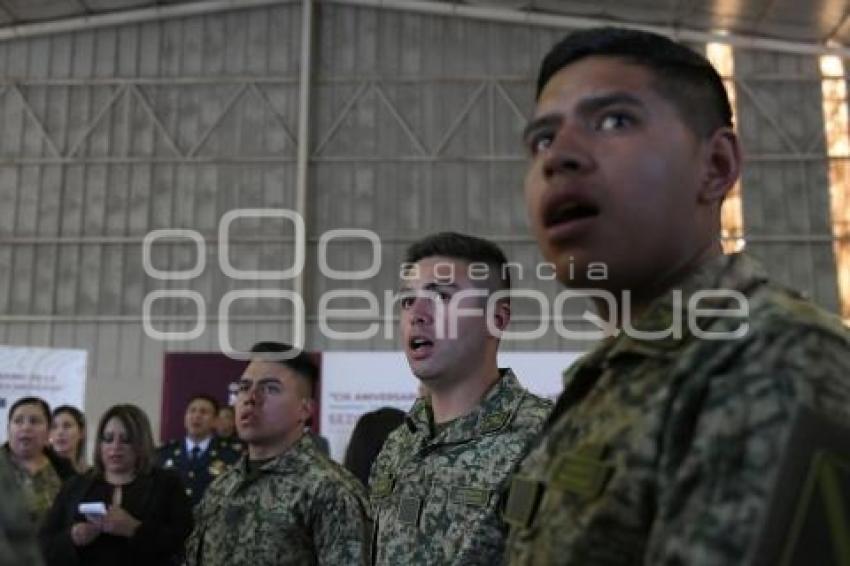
[
  {"x": 38, "y": 470},
  {"x": 68, "y": 435},
  {"x": 144, "y": 516}
]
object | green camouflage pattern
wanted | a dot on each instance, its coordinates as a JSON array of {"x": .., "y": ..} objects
[
  {"x": 663, "y": 451},
  {"x": 39, "y": 489},
  {"x": 298, "y": 509},
  {"x": 436, "y": 499},
  {"x": 17, "y": 535}
]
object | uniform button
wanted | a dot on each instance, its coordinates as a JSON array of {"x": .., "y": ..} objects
[
  {"x": 189, "y": 492},
  {"x": 191, "y": 474}
]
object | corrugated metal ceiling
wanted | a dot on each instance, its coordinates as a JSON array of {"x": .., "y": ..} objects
[{"x": 805, "y": 21}]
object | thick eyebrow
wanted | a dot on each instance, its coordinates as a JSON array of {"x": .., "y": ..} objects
[
  {"x": 593, "y": 104},
  {"x": 586, "y": 106},
  {"x": 432, "y": 286},
  {"x": 437, "y": 286},
  {"x": 261, "y": 380},
  {"x": 547, "y": 121}
]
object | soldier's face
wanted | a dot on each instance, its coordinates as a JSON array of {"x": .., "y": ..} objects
[
  {"x": 442, "y": 338},
  {"x": 615, "y": 176},
  {"x": 224, "y": 423},
  {"x": 199, "y": 418},
  {"x": 272, "y": 405}
]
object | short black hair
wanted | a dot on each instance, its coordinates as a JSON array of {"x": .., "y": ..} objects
[
  {"x": 204, "y": 397},
  {"x": 684, "y": 77},
  {"x": 38, "y": 401},
  {"x": 295, "y": 359},
  {"x": 470, "y": 249}
]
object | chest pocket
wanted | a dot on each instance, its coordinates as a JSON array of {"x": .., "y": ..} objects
[
  {"x": 276, "y": 533},
  {"x": 456, "y": 508}
]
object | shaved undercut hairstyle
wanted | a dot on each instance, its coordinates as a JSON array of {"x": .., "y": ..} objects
[{"x": 683, "y": 77}]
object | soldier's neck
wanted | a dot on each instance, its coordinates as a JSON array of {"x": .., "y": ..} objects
[
  {"x": 459, "y": 398},
  {"x": 274, "y": 449}
]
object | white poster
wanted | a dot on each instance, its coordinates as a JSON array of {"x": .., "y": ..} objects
[
  {"x": 57, "y": 376},
  {"x": 354, "y": 383}
]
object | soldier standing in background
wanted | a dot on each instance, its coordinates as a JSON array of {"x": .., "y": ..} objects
[
  {"x": 201, "y": 456},
  {"x": 437, "y": 485},
  {"x": 284, "y": 503},
  {"x": 225, "y": 429},
  {"x": 664, "y": 445}
]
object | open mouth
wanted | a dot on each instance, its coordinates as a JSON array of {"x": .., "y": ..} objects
[
  {"x": 419, "y": 348},
  {"x": 417, "y": 344},
  {"x": 569, "y": 212}
]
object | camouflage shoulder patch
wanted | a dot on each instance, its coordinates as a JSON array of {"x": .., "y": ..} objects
[
  {"x": 475, "y": 497},
  {"x": 582, "y": 473},
  {"x": 523, "y": 500},
  {"x": 382, "y": 487},
  {"x": 493, "y": 422}
]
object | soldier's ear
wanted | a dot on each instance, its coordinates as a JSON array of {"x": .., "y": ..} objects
[
  {"x": 501, "y": 315},
  {"x": 309, "y": 406},
  {"x": 721, "y": 166}
]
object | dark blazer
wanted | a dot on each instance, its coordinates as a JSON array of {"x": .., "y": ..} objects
[
  {"x": 157, "y": 499},
  {"x": 196, "y": 474}
]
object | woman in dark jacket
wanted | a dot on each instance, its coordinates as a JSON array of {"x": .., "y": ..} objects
[{"x": 148, "y": 513}]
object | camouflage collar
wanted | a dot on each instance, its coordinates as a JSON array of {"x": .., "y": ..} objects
[
  {"x": 494, "y": 412},
  {"x": 736, "y": 272},
  {"x": 290, "y": 461}
]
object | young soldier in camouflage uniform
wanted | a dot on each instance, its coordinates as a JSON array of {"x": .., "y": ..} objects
[
  {"x": 438, "y": 483},
  {"x": 285, "y": 503},
  {"x": 663, "y": 447}
]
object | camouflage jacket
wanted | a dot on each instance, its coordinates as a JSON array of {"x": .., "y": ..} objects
[
  {"x": 298, "y": 509},
  {"x": 436, "y": 499},
  {"x": 662, "y": 451},
  {"x": 17, "y": 533}
]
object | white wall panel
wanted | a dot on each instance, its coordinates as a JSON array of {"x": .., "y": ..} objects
[{"x": 415, "y": 123}]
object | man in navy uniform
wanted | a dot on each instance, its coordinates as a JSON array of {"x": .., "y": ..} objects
[{"x": 200, "y": 457}]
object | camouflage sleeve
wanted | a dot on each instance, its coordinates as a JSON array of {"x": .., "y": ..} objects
[
  {"x": 713, "y": 492},
  {"x": 17, "y": 537},
  {"x": 193, "y": 542},
  {"x": 340, "y": 525},
  {"x": 384, "y": 459}
]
